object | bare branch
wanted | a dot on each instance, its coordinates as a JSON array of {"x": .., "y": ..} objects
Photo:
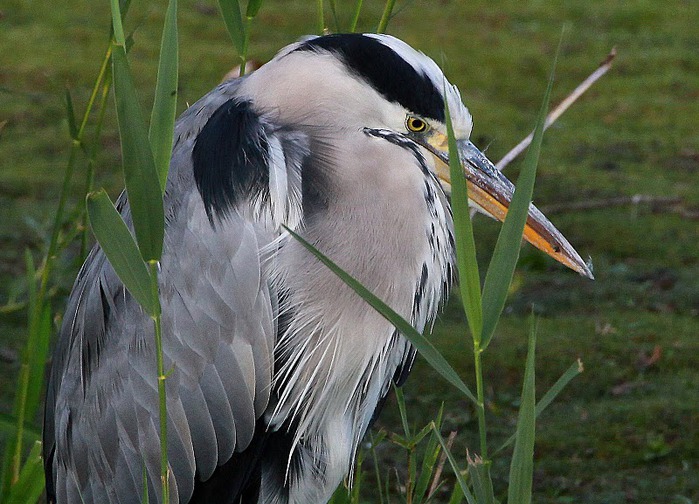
[
  {"x": 562, "y": 107},
  {"x": 442, "y": 459}
]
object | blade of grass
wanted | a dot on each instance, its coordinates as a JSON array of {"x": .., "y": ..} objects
[
  {"x": 140, "y": 176},
  {"x": 120, "y": 248},
  {"x": 479, "y": 472},
  {"x": 30, "y": 481},
  {"x": 92, "y": 156},
  {"x": 162, "y": 394},
  {"x": 230, "y": 11},
  {"x": 144, "y": 192},
  {"x": 457, "y": 495},
  {"x": 336, "y": 19},
  {"x": 162, "y": 121},
  {"x": 38, "y": 346},
  {"x": 104, "y": 75},
  {"x": 117, "y": 25},
  {"x": 253, "y": 8},
  {"x": 400, "y": 399},
  {"x": 13, "y": 455},
  {"x": 144, "y": 486},
  {"x": 504, "y": 259},
  {"x": 36, "y": 311},
  {"x": 469, "y": 276},
  {"x": 161, "y": 137},
  {"x": 320, "y": 27},
  {"x": 422, "y": 344},
  {"x": 386, "y": 16},
  {"x": 519, "y": 489},
  {"x": 356, "y": 486},
  {"x": 411, "y": 473},
  {"x": 574, "y": 370},
  {"x": 355, "y": 17},
  {"x": 31, "y": 374},
  {"x": 70, "y": 112},
  {"x": 341, "y": 495},
  {"x": 246, "y": 43},
  {"x": 429, "y": 461},
  {"x": 377, "y": 466}
]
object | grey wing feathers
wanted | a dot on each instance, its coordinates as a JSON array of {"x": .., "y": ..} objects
[{"x": 101, "y": 423}]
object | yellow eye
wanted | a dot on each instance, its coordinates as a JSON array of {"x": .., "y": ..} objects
[{"x": 415, "y": 124}]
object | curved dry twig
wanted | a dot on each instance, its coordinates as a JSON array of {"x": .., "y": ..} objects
[{"x": 562, "y": 107}]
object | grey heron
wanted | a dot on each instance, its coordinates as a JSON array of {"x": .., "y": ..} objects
[{"x": 277, "y": 368}]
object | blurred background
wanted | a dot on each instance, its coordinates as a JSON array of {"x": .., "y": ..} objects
[{"x": 619, "y": 176}]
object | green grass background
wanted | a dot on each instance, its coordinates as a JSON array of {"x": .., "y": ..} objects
[{"x": 627, "y": 429}]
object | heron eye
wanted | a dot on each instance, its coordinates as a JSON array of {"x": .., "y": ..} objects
[{"x": 415, "y": 124}]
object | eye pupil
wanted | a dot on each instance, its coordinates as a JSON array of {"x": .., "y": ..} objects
[{"x": 416, "y": 124}]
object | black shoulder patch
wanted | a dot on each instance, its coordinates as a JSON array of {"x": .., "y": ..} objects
[
  {"x": 230, "y": 158},
  {"x": 384, "y": 70}
]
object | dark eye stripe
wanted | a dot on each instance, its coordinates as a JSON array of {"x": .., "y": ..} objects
[{"x": 385, "y": 70}]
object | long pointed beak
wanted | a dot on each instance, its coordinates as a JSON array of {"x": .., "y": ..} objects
[{"x": 491, "y": 193}]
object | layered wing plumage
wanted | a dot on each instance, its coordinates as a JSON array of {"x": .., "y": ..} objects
[{"x": 219, "y": 327}]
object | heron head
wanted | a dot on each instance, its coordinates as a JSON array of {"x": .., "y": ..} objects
[{"x": 379, "y": 83}]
